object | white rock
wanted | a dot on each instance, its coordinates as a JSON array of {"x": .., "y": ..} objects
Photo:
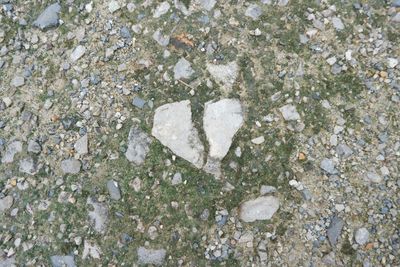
[
  {"x": 71, "y": 166},
  {"x": 183, "y": 69},
  {"x": 98, "y": 216},
  {"x": 373, "y": 177},
  {"x": 207, "y": 4},
  {"x": 78, "y": 52},
  {"x": 6, "y": 203},
  {"x": 331, "y": 60},
  {"x": 337, "y": 23},
  {"x": 18, "y": 81},
  {"x": 151, "y": 256},
  {"x": 221, "y": 121},
  {"x": 90, "y": 249},
  {"x": 173, "y": 127},
  {"x": 254, "y": 11},
  {"x": 289, "y": 113},
  {"x": 113, "y": 6},
  {"x": 224, "y": 75},
  {"x": 161, "y": 9},
  {"x": 258, "y": 140},
  {"x": 12, "y": 149},
  {"x": 361, "y": 236},
  {"x": 262, "y": 208},
  {"x": 81, "y": 145},
  {"x": 392, "y": 62}
]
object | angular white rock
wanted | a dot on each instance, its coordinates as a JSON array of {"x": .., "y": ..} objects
[
  {"x": 262, "y": 208},
  {"x": 161, "y": 9},
  {"x": 221, "y": 121},
  {"x": 173, "y": 127},
  {"x": 81, "y": 145},
  {"x": 289, "y": 113},
  {"x": 224, "y": 75},
  {"x": 78, "y": 52},
  {"x": 182, "y": 69}
]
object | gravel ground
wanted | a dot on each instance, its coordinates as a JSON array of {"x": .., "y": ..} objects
[{"x": 199, "y": 133}]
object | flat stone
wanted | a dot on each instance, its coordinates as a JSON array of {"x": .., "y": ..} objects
[
  {"x": 62, "y": 261},
  {"x": 12, "y": 149},
  {"x": 373, "y": 177},
  {"x": 151, "y": 256},
  {"x": 71, "y": 166},
  {"x": 6, "y": 203},
  {"x": 113, "y": 190},
  {"x": 78, "y": 52},
  {"x": 161, "y": 9},
  {"x": 289, "y": 113},
  {"x": 161, "y": 39},
  {"x": 49, "y": 17},
  {"x": 267, "y": 189},
  {"x": 337, "y": 23},
  {"x": 113, "y": 6},
  {"x": 98, "y": 216},
  {"x": 361, "y": 236},
  {"x": 328, "y": 165},
  {"x": 253, "y": 11},
  {"x": 392, "y": 62},
  {"x": 138, "y": 145},
  {"x": 221, "y": 121},
  {"x": 207, "y": 5},
  {"x": 344, "y": 151},
  {"x": 8, "y": 262},
  {"x": 262, "y": 208},
  {"x": 258, "y": 140},
  {"x": 34, "y": 147},
  {"x": 173, "y": 127},
  {"x": 17, "y": 81},
  {"x": 334, "y": 230},
  {"x": 224, "y": 75},
  {"x": 81, "y": 145},
  {"x": 28, "y": 166},
  {"x": 138, "y": 102},
  {"x": 183, "y": 69},
  {"x": 176, "y": 179}
]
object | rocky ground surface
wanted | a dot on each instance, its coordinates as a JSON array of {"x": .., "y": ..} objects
[{"x": 199, "y": 133}]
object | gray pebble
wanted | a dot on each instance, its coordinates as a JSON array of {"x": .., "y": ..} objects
[{"x": 113, "y": 190}]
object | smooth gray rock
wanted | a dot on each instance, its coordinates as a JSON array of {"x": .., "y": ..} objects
[
  {"x": 28, "y": 166},
  {"x": 334, "y": 230},
  {"x": 207, "y": 4},
  {"x": 161, "y": 9},
  {"x": 361, "y": 236},
  {"x": 62, "y": 261},
  {"x": 183, "y": 69},
  {"x": 6, "y": 203},
  {"x": 267, "y": 189},
  {"x": 328, "y": 166},
  {"x": 138, "y": 146},
  {"x": 161, "y": 39},
  {"x": 49, "y": 17},
  {"x": 8, "y": 262},
  {"x": 289, "y": 113},
  {"x": 12, "y": 149},
  {"x": 373, "y": 177},
  {"x": 71, "y": 166},
  {"x": 224, "y": 75},
  {"x": 98, "y": 216},
  {"x": 262, "y": 208},
  {"x": 173, "y": 127},
  {"x": 151, "y": 256},
  {"x": 113, "y": 190}
]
